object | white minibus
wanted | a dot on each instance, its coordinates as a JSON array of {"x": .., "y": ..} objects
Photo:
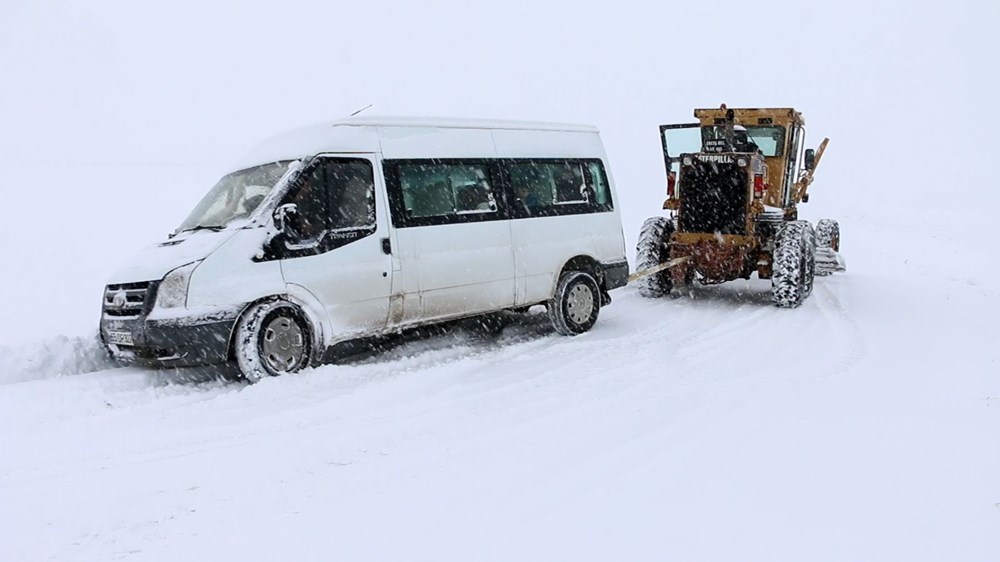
[{"x": 367, "y": 226}]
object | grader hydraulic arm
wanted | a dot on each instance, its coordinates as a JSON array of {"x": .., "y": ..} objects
[{"x": 800, "y": 190}]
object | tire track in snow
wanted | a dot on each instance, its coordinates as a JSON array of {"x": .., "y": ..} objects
[
  {"x": 733, "y": 331},
  {"x": 714, "y": 321},
  {"x": 837, "y": 315}
]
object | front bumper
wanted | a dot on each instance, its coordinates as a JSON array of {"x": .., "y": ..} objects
[{"x": 182, "y": 341}]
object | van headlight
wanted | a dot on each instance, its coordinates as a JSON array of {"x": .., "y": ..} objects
[{"x": 173, "y": 290}]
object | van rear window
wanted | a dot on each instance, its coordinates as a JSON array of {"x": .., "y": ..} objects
[{"x": 558, "y": 187}]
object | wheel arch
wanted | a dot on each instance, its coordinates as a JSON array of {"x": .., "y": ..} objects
[
  {"x": 308, "y": 307},
  {"x": 584, "y": 263}
]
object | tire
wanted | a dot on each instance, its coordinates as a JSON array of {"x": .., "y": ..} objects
[
  {"x": 809, "y": 249},
  {"x": 272, "y": 339},
  {"x": 574, "y": 306},
  {"x": 651, "y": 251},
  {"x": 794, "y": 264},
  {"x": 828, "y": 234}
]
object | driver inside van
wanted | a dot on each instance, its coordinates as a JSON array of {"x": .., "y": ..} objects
[{"x": 355, "y": 203}]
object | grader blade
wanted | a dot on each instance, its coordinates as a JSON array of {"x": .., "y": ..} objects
[{"x": 829, "y": 261}]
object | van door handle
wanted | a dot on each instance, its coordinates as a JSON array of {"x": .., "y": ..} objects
[{"x": 386, "y": 246}]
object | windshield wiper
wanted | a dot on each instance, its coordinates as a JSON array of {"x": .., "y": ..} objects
[{"x": 212, "y": 227}]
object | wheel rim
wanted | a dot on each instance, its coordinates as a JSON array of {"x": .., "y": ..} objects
[
  {"x": 282, "y": 345},
  {"x": 580, "y": 303}
]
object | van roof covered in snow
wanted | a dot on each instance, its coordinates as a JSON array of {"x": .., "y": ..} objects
[
  {"x": 460, "y": 123},
  {"x": 368, "y": 134}
]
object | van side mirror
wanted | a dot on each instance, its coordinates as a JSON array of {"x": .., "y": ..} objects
[
  {"x": 282, "y": 215},
  {"x": 810, "y": 158}
]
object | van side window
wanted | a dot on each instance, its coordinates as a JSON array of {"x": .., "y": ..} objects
[
  {"x": 311, "y": 199},
  {"x": 567, "y": 179},
  {"x": 558, "y": 187},
  {"x": 602, "y": 194},
  {"x": 335, "y": 200},
  {"x": 438, "y": 189},
  {"x": 352, "y": 193}
]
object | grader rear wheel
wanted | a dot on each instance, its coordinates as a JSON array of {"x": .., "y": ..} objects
[
  {"x": 794, "y": 264},
  {"x": 651, "y": 251}
]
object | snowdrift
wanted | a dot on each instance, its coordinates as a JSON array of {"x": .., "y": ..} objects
[{"x": 52, "y": 357}]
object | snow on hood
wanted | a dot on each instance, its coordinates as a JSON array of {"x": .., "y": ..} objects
[{"x": 155, "y": 261}]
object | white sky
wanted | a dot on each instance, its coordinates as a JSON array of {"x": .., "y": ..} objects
[{"x": 117, "y": 116}]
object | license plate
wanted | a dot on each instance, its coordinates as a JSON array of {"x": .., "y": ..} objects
[{"x": 120, "y": 338}]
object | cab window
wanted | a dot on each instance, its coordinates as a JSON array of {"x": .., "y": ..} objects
[
  {"x": 770, "y": 139},
  {"x": 333, "y": 195}
]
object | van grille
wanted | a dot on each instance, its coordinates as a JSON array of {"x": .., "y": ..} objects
[{"x": 126, "y": 299}]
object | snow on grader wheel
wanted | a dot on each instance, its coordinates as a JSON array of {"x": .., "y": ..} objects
[
  {"x": 828, "y": 234},
  {"x": 828, "y": 259},
  {"x": 650, "y": 252},
  {"x": 794, "y": 264}
]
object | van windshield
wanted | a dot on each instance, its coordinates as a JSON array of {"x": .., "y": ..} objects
[{"x": 235, "y": 196}]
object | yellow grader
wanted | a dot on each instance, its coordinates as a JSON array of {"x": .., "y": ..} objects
[{"x": 734, "y": 182}]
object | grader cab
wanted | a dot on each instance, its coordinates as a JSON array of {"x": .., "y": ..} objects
[{"x": 734, "y": 182}]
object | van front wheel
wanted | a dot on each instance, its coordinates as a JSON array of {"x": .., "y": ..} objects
[
  {"x": 272, "y": 338},
  {"x": 574, "y": 307}
]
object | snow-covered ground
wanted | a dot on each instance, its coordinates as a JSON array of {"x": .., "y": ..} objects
[
  {"x": 864, "y": 425},
  {"x": 861, "y": 426}
]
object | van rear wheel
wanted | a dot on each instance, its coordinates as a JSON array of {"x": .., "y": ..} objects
[
  {"x": 272, "y": 339},
  {"x": 577, "y": 301}
]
